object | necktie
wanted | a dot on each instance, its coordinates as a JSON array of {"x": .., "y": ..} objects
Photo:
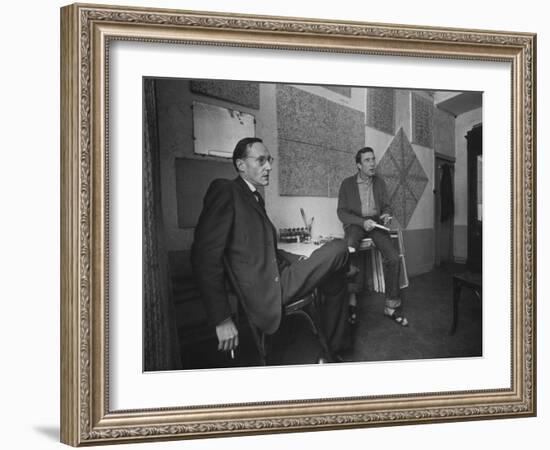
[{"x": 260, "y": 199}]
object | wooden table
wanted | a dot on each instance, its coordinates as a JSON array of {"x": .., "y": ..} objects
[
  {"x": 299, "y": 248},
  {"x": 469, "y": 280}
]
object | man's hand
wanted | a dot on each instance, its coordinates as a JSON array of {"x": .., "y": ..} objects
[
  {"x": 228, "y": 336},
  {"x": 385, "y": 218},
  {"x": 369, "y": 224}
]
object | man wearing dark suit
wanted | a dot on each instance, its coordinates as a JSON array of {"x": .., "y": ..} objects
[
  {"x": 234, "y": 224},
  {"x": 362, "y": 204}
]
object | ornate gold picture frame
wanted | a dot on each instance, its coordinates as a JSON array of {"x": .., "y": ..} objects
[{"x": 87, "y": 34}]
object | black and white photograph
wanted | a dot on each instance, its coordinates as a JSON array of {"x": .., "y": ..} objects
[
  {"x": 275, "y": 224},
  {"x": 296, "y": 224}
]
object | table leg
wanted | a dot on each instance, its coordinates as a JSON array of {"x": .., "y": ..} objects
[{"x": 457, "y": 285}]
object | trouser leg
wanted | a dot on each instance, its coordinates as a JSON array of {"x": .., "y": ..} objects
[
  {"x": 334, "y": 294},
  {"x": 390, "y": 257},
  {"x": 325, "y": 269},
  {"x": 353, "y": 236},
  {"x": 302, "y": 277}
]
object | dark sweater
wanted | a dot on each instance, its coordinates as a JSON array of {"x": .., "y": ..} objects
[{"x": 349, "y": 203}]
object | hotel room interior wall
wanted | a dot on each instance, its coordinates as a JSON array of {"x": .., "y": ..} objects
[
  {"x": 418, "y": 236},
  {"x": 174, "y": 100},
  {"x": 175, "y": 129},
  {"x": 175, "y": 119},
  {"x": 444, "y": 155},
  {"x": 403, "y": 111},
  {"x": 463, "y": 124},
  {"x": 444, "y": 133},
  {"x": 378, "y": 140},
  {"x": 284, "y": 211}
]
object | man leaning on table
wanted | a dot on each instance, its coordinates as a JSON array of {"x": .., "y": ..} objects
[
  {"x": 362, "y": 205},
  {"x": 235, "y": 224}
]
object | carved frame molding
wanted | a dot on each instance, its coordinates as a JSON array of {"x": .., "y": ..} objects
[{"x": 86, "y": 32}]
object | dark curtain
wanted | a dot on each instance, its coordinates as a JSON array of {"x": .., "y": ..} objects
[{"x": 160, "y": 343}]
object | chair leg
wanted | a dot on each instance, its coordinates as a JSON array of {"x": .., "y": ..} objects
[
  {"x": 456, "y": 297},
  {"x": 263, "y": 351},
  {"x": 321, "y": 336},
  {"x": 307, "y": 316}
]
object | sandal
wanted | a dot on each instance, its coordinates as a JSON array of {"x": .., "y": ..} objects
[
  {"x": 397, "y": 317},
  {"x": 352, "y": 314}
]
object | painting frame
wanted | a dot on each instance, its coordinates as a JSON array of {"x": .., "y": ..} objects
[{"x": 86, "y": 32}]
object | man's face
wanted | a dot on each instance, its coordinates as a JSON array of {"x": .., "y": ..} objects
[
  {"x": 367, "y": 165},
  {"x": 255, "y": 167}
]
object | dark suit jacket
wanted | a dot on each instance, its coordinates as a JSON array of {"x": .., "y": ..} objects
[
  {"x": 234, "y": 224},
  {"x": 349, "y": 202}
]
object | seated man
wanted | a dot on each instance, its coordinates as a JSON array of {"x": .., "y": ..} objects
[
  {"x": 362, "y": 204},
  {"x": 234, "y": 224}
]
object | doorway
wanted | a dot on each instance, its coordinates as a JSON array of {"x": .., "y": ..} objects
[
  {"x": 444, "y": 209},
  {"x": 474, "y": 139}
]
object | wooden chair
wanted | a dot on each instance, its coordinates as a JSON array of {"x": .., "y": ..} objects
[{"x": 307, "y": 307}]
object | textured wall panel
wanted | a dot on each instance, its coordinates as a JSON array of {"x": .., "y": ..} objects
[
  {"x": 312, "y": 171},
  {"x": 246, "y": 93},
  {"x": 342, "y": 90},
  {"x": 422, "y": 118},
  {"x": 444, "y": 133},
  {"x": 341, "y": 165},
  {"x": 317, "y": 142},
  {"x": 345, "y": 127},
  {"x": 315, "y": 120},
  {"x": 302, "y": 169},
  {"x": 380, "y": 109},
  {"x": 403, "y": 110},
  {"x": 404, "y": 176}
]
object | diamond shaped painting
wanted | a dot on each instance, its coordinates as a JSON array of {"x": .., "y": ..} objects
[{"x": 404, "y": 176}]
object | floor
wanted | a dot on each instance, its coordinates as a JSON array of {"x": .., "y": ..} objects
[{"x": 428, "y": 306}]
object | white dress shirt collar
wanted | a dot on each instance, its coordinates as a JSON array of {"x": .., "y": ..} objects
[{"x": 250, "y": 185}]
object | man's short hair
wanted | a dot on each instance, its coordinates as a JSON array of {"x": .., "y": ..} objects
[
  {"x": 241, "y": 149},
  {"x": 360, "y": 152}
]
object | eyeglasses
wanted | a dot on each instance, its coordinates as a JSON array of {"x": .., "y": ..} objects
[{"x": 262, "y": 160}]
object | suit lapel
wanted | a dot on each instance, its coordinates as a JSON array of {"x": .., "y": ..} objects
[{"x": 250, "y": 196}]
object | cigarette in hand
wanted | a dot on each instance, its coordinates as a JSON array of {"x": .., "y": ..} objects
[{"x": 232, "y": 354}]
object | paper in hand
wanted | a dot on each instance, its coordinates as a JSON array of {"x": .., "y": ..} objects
[{"x": 382, "y": 227}]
